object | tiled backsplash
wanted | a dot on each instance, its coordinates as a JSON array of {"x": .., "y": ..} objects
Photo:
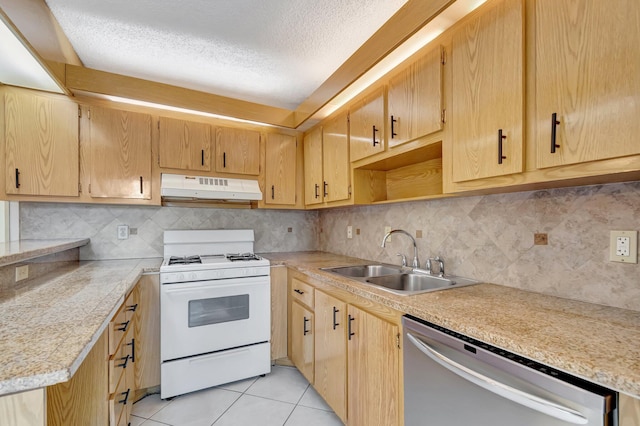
[
  {"x": 99, "y": 222},
  {"x": 490, "y": 238}
]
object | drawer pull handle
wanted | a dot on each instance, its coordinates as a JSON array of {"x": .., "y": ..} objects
[
  {"x": 349, "y": 328},
  {"x": 123, "y": 326},
  {"x": 132, "y": 308},
  {"x": 501, "y": 138},
  {"x": 335, "y": 321},
  {"x": 125, "y": 360},
  {"x": 133, "y": 349},
  {"x": 304, "y": 326},
  {"x": 298, "y": 291},
  {"x": 554, "y": 126},
  {"x": 126, "y": 397}
]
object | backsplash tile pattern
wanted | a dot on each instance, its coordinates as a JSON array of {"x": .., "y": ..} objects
[
  {"x": 99, "y": 223},
  {"x": 490, "y": 238}
]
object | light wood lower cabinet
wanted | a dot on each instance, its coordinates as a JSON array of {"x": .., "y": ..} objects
[
  {"x": 331, "y": 352},
  {"x": 351, "y": 356},
  {"x": 147, "y": 332},
  {"x": 629, "y": 411},
  {"x": 278, "y": 312},
  {"x": 302, "y": 334},
  {"x": 374, "y": 372},
  {"x": 23, "y": 409}
]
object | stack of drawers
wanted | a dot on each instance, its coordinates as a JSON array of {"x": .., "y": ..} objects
[{"x": 122, "y": 354}]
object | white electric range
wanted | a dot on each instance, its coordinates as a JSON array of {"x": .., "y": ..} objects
[{"x": 215, "y": 302}]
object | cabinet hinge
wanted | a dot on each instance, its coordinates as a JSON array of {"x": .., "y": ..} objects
[
  {"x": 443, "y": 56},
  {"x": 398, "y": 340},
  {"x": 444, "y": 116}
]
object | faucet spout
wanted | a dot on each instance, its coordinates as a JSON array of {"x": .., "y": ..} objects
[{"x": 416, "y": 262}]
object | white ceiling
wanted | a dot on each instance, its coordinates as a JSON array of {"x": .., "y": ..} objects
[{"x": 273, "y": 52}]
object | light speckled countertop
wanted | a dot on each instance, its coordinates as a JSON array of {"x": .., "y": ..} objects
[
  {"x": 598, "y": 343},
  {"x": 18, "y": 251},
  {"x": 48, "y": 326}
]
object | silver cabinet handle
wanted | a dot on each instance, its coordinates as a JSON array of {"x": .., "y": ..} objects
[{"x": 516, "y": 395}]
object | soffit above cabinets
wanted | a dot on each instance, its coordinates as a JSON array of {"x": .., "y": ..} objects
[{"x": 275, "y": 53}]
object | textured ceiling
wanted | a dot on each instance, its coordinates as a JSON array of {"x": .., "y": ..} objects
[{"x": 274, "y": 52}]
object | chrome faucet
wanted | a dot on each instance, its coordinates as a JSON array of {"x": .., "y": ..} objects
[{"x": 415, "y": 263}]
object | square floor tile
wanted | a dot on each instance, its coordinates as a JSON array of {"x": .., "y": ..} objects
[
  {"x": 240, "y": 385},
  {"x": 199, "y": 408},
  {"x": 284, "y": 384},
  {"x": 251, "y": 411},
  {"x": 136, "y": 421},
  {"x": 305, "y": 416},
  {"x": 312, "y": 399},
  {"x": 152, "y": 423},
  {"x": 148, "y": 406}
]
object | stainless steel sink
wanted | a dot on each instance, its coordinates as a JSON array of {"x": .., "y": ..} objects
[
  {"x": 398, "y": 280},
  {"x": 365, "y": 271}
]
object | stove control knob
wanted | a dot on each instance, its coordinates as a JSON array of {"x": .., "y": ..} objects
[
  {"x": 180, "y": 277},
  {"x": 193, "y": 276}
]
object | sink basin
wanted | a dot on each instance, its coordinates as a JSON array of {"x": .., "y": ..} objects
[
  {"x": 415, "y": 283},
  {"x": 364, "y": 271},
  {"x": 396, "y": 279}
]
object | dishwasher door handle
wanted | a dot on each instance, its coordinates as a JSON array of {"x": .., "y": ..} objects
[{"x": 516, "y": 395}]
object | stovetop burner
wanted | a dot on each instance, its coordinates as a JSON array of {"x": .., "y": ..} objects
[
  {"x": 242, "y": 257},
  {"x": 184, "y": 260}
]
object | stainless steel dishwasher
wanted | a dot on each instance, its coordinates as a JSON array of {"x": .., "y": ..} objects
[{"x": 454, "y": 380}]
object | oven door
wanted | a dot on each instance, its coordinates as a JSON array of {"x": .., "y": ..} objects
[{"x": 207, "y": 316}]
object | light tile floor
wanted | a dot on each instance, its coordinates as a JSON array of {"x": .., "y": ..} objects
[{"x": 283, "y": 397}]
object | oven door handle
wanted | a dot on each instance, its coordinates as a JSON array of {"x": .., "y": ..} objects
[{"x": 516, "y": 395}]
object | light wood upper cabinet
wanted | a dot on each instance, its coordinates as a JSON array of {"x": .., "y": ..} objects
[
  {"x": 331, "y": 352},
  {"x": 280, "y": 169},
  {"x": 366, "y": 126},
  {"x": 335, "y": 159},
  {"x": 373, "y": 372},
  {"x": 184, "y": 144},
  {"x": 587, "y": 67},
  {"x": 415, "y": 99},
  {"x": 237, "y": 151},
  {"x": 41, "y": 141},
  {"x": 302, "y": 336},
  {"x": 313, "y": 183},
  {"x": 120, "y": 163},
  {"x": 488, "y": 93}
]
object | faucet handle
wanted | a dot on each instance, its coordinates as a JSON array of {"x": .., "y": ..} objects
[
  {"x": 404, "y": 259},
  {"x": 440, "y": 265},
  {"x": 427, "y": 265}
]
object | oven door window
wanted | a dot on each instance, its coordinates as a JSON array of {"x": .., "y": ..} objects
[{"x": 218, "y": 310}]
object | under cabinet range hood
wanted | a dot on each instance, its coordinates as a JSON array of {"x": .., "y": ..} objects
[{"x": 190, "y": 188}]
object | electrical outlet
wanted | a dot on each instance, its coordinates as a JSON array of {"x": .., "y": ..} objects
[
  {"x": 387, "y": 229},
  {"x": 22, "y": 272},
  {"x": 123, "y": 232},
  {"x": 349, "y": 232},
  {"x": 623, "y": 246}
]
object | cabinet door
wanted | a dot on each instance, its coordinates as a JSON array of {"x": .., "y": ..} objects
[
  {"x": 280, "y": 169},
  {"x": 373, "y": 373},
  {"x": 487, "y": 104},
  {"x": 366, "y": 126},
  {"x": 147, "y": 332},
  {"x": 302, "y": 340},
  {"x": 313, "y": 188},
  {"x": 587, "y": 67},
  {"x": 415, "y": 99},
  {"x": 335, "y": 160},
  {"x": 237, "y": 151},
  {"x": 184, "y": 144},
  {"x": 41, "y": 137},
  {"x": 120, "y": 153},
  {"x": 84, "y": 399},
  {"x": 331, "y": 352}
]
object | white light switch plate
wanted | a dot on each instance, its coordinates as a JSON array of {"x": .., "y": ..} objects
[{"x": 623, "y": 246}]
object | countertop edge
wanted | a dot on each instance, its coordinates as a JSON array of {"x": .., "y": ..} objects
[{"x": 43, "y": 248}]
